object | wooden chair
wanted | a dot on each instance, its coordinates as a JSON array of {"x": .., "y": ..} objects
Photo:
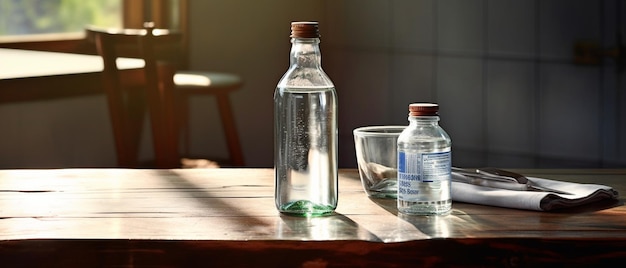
[{"x": 166, "y": 91}]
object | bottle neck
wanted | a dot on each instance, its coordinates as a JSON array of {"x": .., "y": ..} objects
[
  {"x": 305, "y": 53},
  {"x": 424, "y": 120}
]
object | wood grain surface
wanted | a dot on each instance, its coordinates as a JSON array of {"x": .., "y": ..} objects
[{"x": 180, "y": 217}]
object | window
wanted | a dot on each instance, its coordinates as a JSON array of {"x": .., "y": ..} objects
[
  {"x": 58, "y": 25},
  {"x": 27, "y": 17}
]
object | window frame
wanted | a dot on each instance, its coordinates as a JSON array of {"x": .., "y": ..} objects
[{"x": 134, "y": 13}]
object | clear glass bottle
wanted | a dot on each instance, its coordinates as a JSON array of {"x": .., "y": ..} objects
[
  {"x": 305, "y": 130},
  {"x": 424, "y": 163}
]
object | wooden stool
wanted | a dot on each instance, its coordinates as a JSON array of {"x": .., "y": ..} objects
[{"x": 166, "y": 93}]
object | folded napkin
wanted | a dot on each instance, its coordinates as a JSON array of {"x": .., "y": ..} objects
[{"x": 580, "y": 194}]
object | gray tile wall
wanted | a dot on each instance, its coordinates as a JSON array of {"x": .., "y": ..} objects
[{"x": 502, "y": 71}]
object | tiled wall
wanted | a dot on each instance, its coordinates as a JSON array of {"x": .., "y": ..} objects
[{"x": 502, "y": 71}]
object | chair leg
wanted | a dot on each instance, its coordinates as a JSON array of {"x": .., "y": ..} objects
[
  {"x": 163, "y": 115},
  {"x": 183, "y": 122},
  {"x": 172, "y": 128},
  {"x": 230, "y": 129},
  {"x": 126, "y": 111},
  {"x": 135, "y": 107}
]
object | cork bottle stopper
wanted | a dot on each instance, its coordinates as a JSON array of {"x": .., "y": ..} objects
[
  {"x": 305, "y": 29},
  {"x": 423, "y": 109}
]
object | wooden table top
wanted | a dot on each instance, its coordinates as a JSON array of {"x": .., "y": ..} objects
[
  {"x": 232, "y": 210},
  {"x": 28, "y": 75},
  {"x": 20, "y": 63}
]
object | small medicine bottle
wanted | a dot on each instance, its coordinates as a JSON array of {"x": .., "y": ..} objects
[{"x": 424, "y": 163}]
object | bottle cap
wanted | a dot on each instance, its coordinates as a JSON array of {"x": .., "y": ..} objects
[
  {"x": 423, "y": 109},
  {"x": 304, "y": 29}
]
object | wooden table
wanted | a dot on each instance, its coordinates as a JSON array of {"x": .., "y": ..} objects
[
  {"x": 27, "y": 75},
  {"x": 226, "y": 217}
]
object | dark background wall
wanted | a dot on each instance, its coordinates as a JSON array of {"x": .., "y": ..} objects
[{"x": 503, "y": 71}]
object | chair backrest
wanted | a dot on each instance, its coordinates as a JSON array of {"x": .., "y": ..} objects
[{"x": 127, "y": 103}]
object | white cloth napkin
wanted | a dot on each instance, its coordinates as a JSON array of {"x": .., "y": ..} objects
[{"x": 580, "y": 194}]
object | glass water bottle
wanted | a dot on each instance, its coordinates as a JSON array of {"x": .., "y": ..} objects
[
  {"x": 424, "y": 163},
  {"x": 305, "y": 130}
]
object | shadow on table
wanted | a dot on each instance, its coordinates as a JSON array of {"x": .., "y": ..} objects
[
  {"x": 391, "y": 207},
  {"x": 260, "y": 216},
  {"x": 388, "y": 204},
  {"x": 591, "y": 207},
  {"x": 434, "y": 226},
  {"x": 465, "y": 214},
  {"x": 331, "y": 227},
  {"x": 217, "y": 198}
]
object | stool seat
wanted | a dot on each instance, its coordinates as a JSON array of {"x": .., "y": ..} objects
[
  {"x": 200, "y": 79},
  {"x": 218, "y": 85}
]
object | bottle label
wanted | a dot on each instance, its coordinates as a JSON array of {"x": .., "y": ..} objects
[{"x": 418, "y": 168}]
